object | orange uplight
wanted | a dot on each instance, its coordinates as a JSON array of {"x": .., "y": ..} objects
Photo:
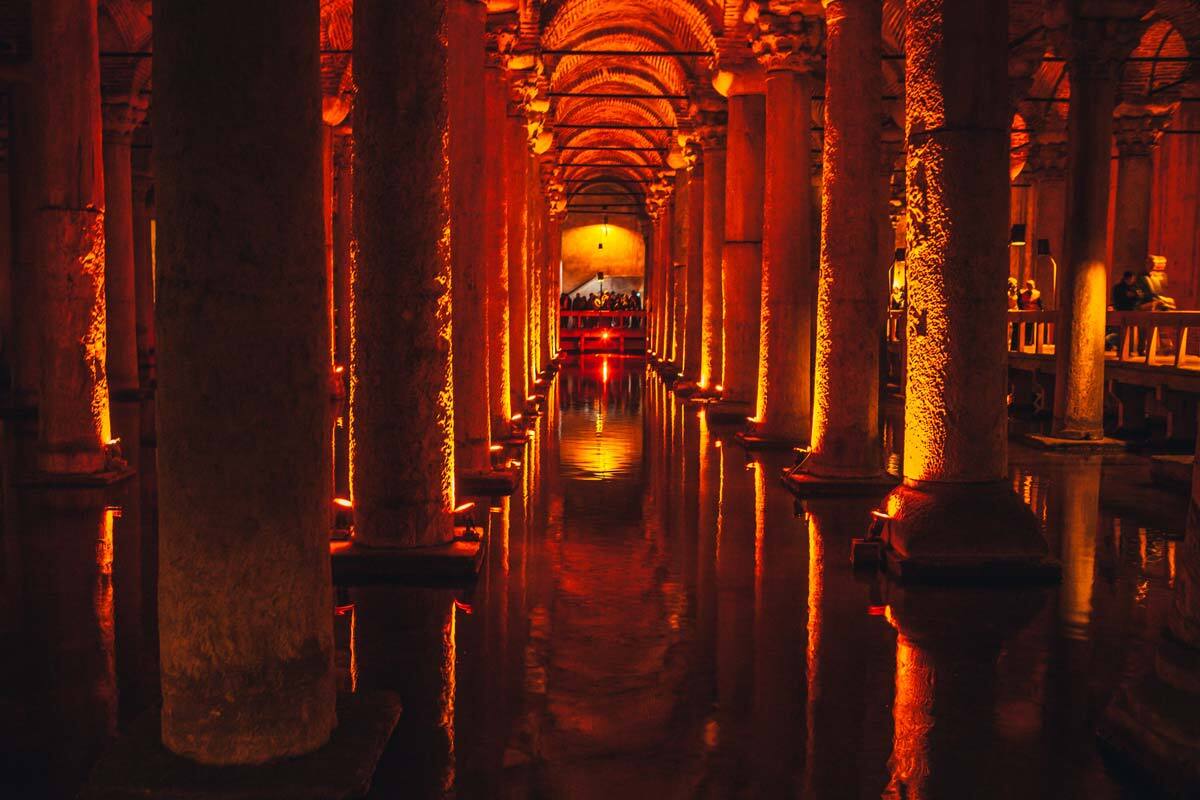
[
  {"x": 513, "y": 463},
  {"x": 882, "y": 515},
  {"x": 464, "y": 508},
  {"x": 466, "y": 608},
  {"x": 717, "y": 443},
  {"x": 531, "y": 397},
  {"x": 719, "y": 388},
  {"x": 605, "y": 335},
  {"x": 342, "y": 611},
  {"x": 516, "y": 417},
  {"x": 496, "y": 448},
  {"x": 339, "y": 369},
  {"x": 342, "y": 502}
]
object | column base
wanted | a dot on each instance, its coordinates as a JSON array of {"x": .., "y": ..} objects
[
  {"x": 729, "y": 411},
  {"x": 75, "y": 480},
  {"x": 684, "y": 388},
  {"x": 487, "y": 483},
  {"x": 804, "y": 484},
  {"x": 973, "y": 532},
  {"x": 454, "y": 562},
  {"x": 753, "y": 440},
  {"x": 1044, "y": 442},
  {"x": 1153, "y": 727},
  {"x": 138, "y": 766}
]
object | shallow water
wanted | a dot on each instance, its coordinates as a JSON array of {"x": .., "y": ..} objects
[{"x": 657, "y": 618}]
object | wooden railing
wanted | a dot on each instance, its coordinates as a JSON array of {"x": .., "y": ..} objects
[
  {"x": 1168, "y": 339},
  {"x": 574, "y": 320}
]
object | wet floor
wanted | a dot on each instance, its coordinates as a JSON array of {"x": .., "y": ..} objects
[{"x": 657, "y": 618}]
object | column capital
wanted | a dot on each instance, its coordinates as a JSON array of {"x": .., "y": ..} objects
[
  {"x": 1047, "y": 159},
  {"x": 121, "y": 114},
  {"x": 1137, "y": 129},
  {"x": 658, "y": 193},
  {"x": 789, "y": 36},
  {"x": 501, "y": 38},
  {"x": 1096, "y": 37}
]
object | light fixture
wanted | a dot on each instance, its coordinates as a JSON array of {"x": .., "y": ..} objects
[
  {"x": 900, "y": 253},
  {"x": 1043, "y": 247},
  {"x": 1016, "y": 236}
]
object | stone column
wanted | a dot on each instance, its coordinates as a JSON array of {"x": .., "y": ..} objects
[
  {"x": 1137, "y": 130},
  {"x": 1151, "y": 723},
  {"x": 789, "y": 47},
  {"x": 401, "y": 390},
  {"x": 741, "y": 271},
  {"x": 246, "y": 633},
  {"x": 694, "y": 298},
  {"x": 533, "y": 269},
  {"x": 554, "y": 222},
  {"x": 518, "y": 265},
  {"x": 25, "y": 139},
  {"x": 1095, "y": 48},
  {"x": 956, "y": 514},
  {"x": 344, "y": 253},
  {"x": 852, "y": 294},
  {"x": 495, "y": 246},
  {"x": 679, "y": 255},
  {"x": 466, "y": 23},
  {"x": 712, "y": 142},
  {"x": 120, "y": 118},
  {"x": 73, "y": 413},
  {"x": 143, "y": 261},
  {"x": 1048, "y": 160}
]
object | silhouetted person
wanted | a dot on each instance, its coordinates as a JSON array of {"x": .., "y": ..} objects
[{"x": 1126, "y": 296}]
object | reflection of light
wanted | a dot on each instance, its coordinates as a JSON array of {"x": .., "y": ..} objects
[
  {"x": 604, "y": 368},
  {"x": 913, "y": 721},
  {"x": 449, "y": 689}
]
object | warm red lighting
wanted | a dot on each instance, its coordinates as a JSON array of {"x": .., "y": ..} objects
[
  {"x": 719, "y": 388},
  {"x": 342, "y": 502},
  {"x": 531, "y": 397},
  {"x": 464, "y": 508},
  {"x": 881, "y": 515},
  {"x": 339, "y": 369},
  {"x": 513, "y": 463},
  {"x": 717, "y": 444},
  {"x": 605, "y": 335},
  {"x": 466, "y": 608},
  {"x": 516, "y": 417},
  {"x": 876, "y": 611},
  {"x": 342, "y": 611},
  {"x": 496, "y": 448}
]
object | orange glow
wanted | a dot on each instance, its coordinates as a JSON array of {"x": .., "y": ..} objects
[
  {"x": 339, "y": 370},
  {"x": 464, "y": 508},
  {"x": 342, "y": 502},
  {"x": 496, "y": 448},
  {"x": 466, "y": 608},
  {"x": 912, "y": 712},
  {"x": 516, "y": 417},
  {"x": 449, "y": 690},
  {"x": 719, "y": 388}
]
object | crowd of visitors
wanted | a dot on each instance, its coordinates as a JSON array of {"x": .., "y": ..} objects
[
  {"x": 1141, "y": 292},
  {"x": 601, "y": 301}
]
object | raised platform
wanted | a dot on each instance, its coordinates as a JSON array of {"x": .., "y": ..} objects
[
  {"x": 456, "y": 561},
  {"x": 138, "y": 766}
]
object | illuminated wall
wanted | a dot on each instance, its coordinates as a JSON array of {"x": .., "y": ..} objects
[{"x": 623, "y": 253}]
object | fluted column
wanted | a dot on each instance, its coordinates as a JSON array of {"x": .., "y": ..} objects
[
  {"x": 401, "y": 389},
  {"x": 852, "y": 292},
  {"x": 955, "y": 415},
  {"x": 789, "y": 47},
  {"x": 741, "y": 273},
  {"x": 516, "y": 165},
  {"x": 712, "y": 142},
  {"x": 1095, "y": 48},
  {"x": 246, "y": 634},
  {"x": 1137, "y": 130},
  {"x": 73, "y": 412},
  {"x": 495, "y": 243},
  {"x": 466, "y": 25},
  {"x": 120, "y": 118}
]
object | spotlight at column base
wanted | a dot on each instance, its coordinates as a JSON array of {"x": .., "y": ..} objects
[
  {"x": 950, "y": 532},
  {"x": 139, "y": 766},
  {"x": 1153, "y": 727},
  {"x": 454, "y": 562}
]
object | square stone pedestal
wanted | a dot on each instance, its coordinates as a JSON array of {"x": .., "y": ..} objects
[
  {"x": 455, "y": 562},
  {"x": 1043, "y": 442},
  {"x": 138, "y": 766},
  {"x": 491, "y": 483}
]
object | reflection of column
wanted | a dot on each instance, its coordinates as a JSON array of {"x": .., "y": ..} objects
[
  {"x": 741, "y": 273},
  {"x": 956, "y": 426},
  {"x": 712, "y": 140},
  {"x": 789, "y": 48},
  {"x": 1094, "y": 52},
  {"x": 73, "y": 421},
  {"x": 1137, "y": 131},
  {"x": 1076, "y": 510},
  {"x": 465, "y": 24},
  {"x": 1152, "y": 722},
  {"x": 120, "y": 118},
  {"x": 851, "y": 295},
  {"x": 401, "y": 409},
  {"x": 246, "y": 640},
  {"x": 518, "y": 310}
]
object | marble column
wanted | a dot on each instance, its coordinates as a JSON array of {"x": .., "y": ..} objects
[
  {"x": 466, "y": 23},
  {"x": 789, "y": 47},
  {"x": 956, "y": 513},
  {"x": 741, "y": 271},
  {"x": 401, "y": 389},
  {"x": 852, "y": 292},
  {"x": 143, "y": 261},
  {"x": 1151, "y": 723},
  {"x": 246, "y": 634},
  {"x": 120, "y": 118},
  {"x": 1136, "y": 131},
  {"x": 518, "y": 266},
  {"x": 694, "y": 296},
  {"x": 73, "y": 409},
  {"x": 1095, "y": 48},
  {"x": 712, "y": 143},
  {"x": 495, "y": 246}
]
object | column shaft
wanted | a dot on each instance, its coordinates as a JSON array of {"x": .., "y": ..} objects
[
  {"x": 73, "y": 413},
  {"x": 465, "y": 64},
  {"x": 495, "y": 250},
  {"x": 344, "y": 252},
  {"x": 741, "y": 274},
  {"x": 401, "y": 390},
  {"x": 119, "y": 281},
  {"x": 246, "y": 634},
  {"x": 143, "y": 268},
  {"x": 784, "y": 406},
  {"x": 712, "y": 314},
  {"x": 851, "y": 295},
  {"x": 1131, "y": 228},
  {"x": 24, "y": 164},
  {"x": 694, "y": 300},
  {"x": 1083, "y": 284},
  {"x": 518, "y": 264}
]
